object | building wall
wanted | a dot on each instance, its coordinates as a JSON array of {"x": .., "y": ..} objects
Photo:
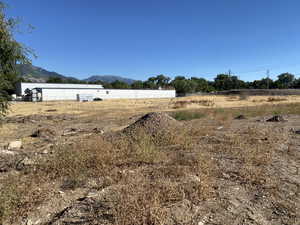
[
  {"x": 21, "y": 87},
  {"x": 50, "y": 94},
  {"x": 134, "y": 94}
]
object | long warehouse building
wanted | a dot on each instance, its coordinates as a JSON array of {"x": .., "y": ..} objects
[{"x": 52, "y": 92}]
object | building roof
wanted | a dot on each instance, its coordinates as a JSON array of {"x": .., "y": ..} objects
[{"x": 65, "y": 86}]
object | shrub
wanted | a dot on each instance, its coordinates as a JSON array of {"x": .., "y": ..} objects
[
  {"x": 187, "y": 115},
  {"x": 276, "y": 99},
  {"x": 243, "y": 96},
  {"x": 183, "y": 104}
]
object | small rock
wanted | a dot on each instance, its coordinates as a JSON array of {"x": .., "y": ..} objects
[
  {"x": 27, "y": 162},
  {"x": 45, "y": 151},
  {"x": 24, "y": 162},
  {"x": 15, "y": 145},
  {"x": 277, "y": 118},
  {"x": 240, "y": 117},
  {"x": 6, "y": 152},
  {"x": 98, "y": 130},
  {"x": 70, "y": 131},
  {"x": 297, "y": 131},
  {"x": 43, "y": 133}
]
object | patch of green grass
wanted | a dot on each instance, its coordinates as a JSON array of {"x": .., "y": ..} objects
[{"x": 187, "y": 115}]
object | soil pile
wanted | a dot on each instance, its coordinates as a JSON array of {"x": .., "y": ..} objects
[{"x": 152, "y": 124}]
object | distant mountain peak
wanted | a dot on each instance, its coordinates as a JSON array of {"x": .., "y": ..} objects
[
  {"x": 38, "y": 74},
  {"x": 109, "y": 79}
]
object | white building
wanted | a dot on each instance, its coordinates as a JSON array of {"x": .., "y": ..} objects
[
  {"x": 50, "y": 92},
  {"x": 21, "y": 87}
]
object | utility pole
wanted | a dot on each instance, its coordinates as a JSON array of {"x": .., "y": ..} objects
[
  {"x": 268, "y": 79},
  {"x": 229, "y": 72}
]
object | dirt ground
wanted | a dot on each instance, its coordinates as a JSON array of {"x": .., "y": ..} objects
[{"x": 101, "y": 163}]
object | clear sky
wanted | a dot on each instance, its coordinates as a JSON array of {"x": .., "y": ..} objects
[{"x": 142, "y": 38}]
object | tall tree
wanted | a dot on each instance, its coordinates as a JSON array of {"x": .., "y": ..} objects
[
  {"x": 12, "y": 53},
  {"x": 285, "y": 80},
  {"x": 183, "y": 85},
  {"x": 119, "y": 85},
  {"x": 137, "y": 85},
  {"x": 227, "y": 82},
  {"x": 265, "y": 83},
  {"x": 202, "y": 85},
  {"x": 162, "y": 80}
]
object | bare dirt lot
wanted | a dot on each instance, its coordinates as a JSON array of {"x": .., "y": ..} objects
[{"x": 194, "y": 160}]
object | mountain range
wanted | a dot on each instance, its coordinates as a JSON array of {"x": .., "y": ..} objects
[
  {"x": 109, "y": 79},
  {"x": 38, "y": 74}
]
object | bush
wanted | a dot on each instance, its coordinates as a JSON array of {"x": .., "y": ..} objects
[{"x": 187, "y": 115}]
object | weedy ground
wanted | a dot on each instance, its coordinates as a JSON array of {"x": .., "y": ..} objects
[{"x": 209, "y": 168}]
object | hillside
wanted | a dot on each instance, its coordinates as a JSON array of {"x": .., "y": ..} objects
[
  {"x": 38, "y": 74},
  {"x": 109, "y": 79}
]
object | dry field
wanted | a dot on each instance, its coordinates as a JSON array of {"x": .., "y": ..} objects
[
  {"x": 124, "y": 107},
  {"x": 196, "y": 160}
]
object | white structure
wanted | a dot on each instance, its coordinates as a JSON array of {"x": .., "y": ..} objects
[
  {"x": 49, "y": 94},
  {"x": 74, "y": 91},
  {"x": 21, "y": 87},
  {"x": 85, "y": 98}
]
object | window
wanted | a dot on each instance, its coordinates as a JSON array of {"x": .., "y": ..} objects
[{"x": 107, "y": 92}]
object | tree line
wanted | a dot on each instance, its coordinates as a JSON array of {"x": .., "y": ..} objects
[{"x": 184, "y": 85}]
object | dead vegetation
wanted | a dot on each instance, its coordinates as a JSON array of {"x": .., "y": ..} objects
[
  {"x": 191, "y": 103},
  {"x": 203, "y": 167},
  {"x": 122, "y": 163},
  {"x": 276, "y": 99}
]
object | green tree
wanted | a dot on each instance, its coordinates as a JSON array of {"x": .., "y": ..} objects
[
  {"x": 12, "y": 53},
  {"x": 56, "y": 80},
  {"x": 183, "y": 85},
  {"x": 264, "y": 83},
  {"x": 137, "y": 85},
  {"x": 150, "y": 83},
  {"x": 285, "y": 80},
  {"x": 156, "y": 82},
  {"x": 202, "y": 85},
  {"x": 228, "y": 82},
  {"x": 119, "y": 85},
  {"x": 296, "y": 83},
  {"x": 162, "y": 80}
]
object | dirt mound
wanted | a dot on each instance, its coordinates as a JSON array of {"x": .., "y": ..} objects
[
  {"x": 43, "y": 133},
  {"x": 278, "y": 118},
  {"x": 153, "y": 123}
]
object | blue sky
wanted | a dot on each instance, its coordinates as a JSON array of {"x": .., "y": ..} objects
[{"x": 142, "y": 38}]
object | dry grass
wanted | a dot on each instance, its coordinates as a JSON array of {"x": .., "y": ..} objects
[
  {"x": 254, "y": 151},
  {"x": 276, "y": 99},
  {"x": 193, "y": 103},
  {"x": 153, "y": 173},
  {"x": 71, "y": 166},
  {"x": 243, "y": 97},
  {"x": 187, "y": 115},
  {"x": 121, "y": 108}
]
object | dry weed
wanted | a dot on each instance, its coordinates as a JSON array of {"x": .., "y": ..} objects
[
  {"x": 184, "y": 104},
  {"x": 276, "y": 99}
]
